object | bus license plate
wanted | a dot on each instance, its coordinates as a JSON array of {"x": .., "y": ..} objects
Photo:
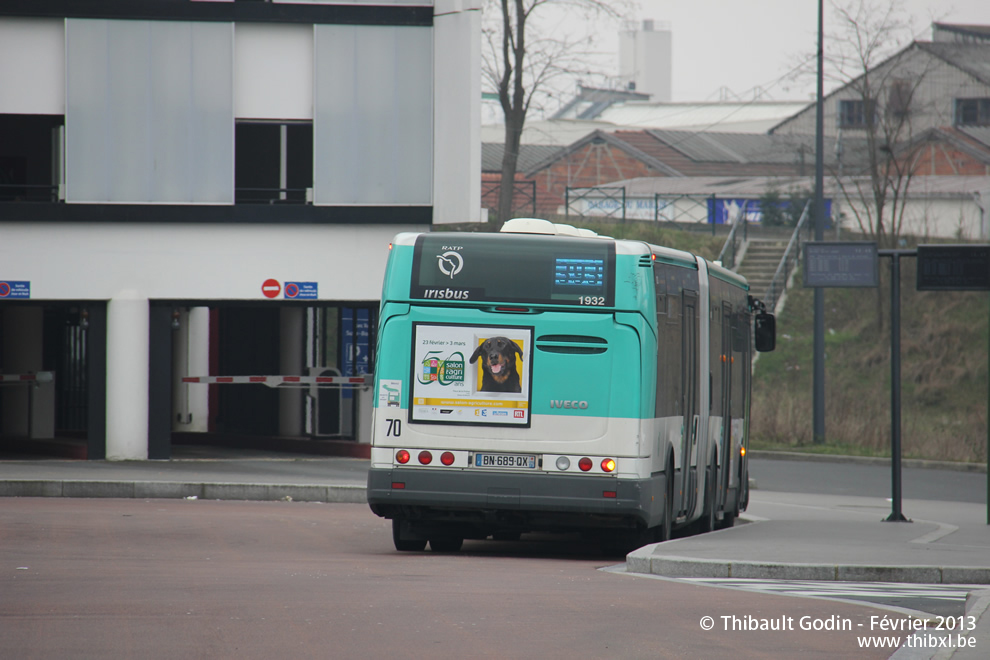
[{"x": 512, "y": 461}]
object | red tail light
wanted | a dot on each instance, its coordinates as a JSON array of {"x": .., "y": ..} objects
[
  {"x": 608, "y": 465},
  {"x": 585, "y": 464},
  {"x": 447, "y": 458},
  {"x": 402, "y": 456},
  {"x": 425, "y": 457}
]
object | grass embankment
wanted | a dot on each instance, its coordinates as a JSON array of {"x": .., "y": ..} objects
[
  {"x": 697, "y": 242},
  {"x": 943, "y": 373}
]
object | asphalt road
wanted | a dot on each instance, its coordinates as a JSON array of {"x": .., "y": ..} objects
[
  {"x": 154, "y": 579},
  {"x": 867, "y": 480}
]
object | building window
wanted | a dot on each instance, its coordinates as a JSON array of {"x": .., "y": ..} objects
[
  {"x": 30, "y": 157},
  {"x": 899, "y": 99},
  {"x": 273, "y": 162},
  {"x": 973, "y": 112},
  {"x": 853, "y": 113}
]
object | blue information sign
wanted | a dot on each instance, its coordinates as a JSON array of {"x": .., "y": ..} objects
[
  {"x": 301, "y": 290},
  {"x": 15, "y": 289},
  {"x": 838, "y": 264}
]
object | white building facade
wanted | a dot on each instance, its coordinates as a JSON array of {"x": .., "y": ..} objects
[{"x": 186, "y": 186}]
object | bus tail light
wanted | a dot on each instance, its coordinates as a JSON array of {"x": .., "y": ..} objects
[
  {"x": 402, "y": 457},
  {"x": 447, "y": 458},
  {"x": 425, "y": 457},
  {"x": 585, "y": 464},
  {"x": 608, "y": 465},
  {"x": 563, "y": 463},
  {"x": 742, "y": 451},
  {"x": 610, "y": 494}
]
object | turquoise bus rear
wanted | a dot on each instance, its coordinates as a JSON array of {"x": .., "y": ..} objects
[{"x": 543, "y": 382}]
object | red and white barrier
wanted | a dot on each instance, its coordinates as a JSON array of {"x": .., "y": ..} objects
[
  {"x": 285, "y": 381},
  {"x": 38, "y": 378}
]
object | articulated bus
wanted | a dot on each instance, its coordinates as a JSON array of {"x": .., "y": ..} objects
[{"x": 530, "y": 380}]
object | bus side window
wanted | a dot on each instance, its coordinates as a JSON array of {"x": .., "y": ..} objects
[{"x": 660, "y": 280}]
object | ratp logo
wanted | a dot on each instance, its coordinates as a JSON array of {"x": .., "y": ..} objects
[{"x": 450, "y": 263}]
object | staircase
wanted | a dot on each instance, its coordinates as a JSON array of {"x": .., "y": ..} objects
[{"x": 759, "y": 263}]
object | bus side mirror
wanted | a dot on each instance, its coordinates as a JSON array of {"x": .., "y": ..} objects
[{"x": 765, "y": 327}]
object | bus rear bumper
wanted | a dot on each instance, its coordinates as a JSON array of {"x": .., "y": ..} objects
[{"x": 531, "y": 502}]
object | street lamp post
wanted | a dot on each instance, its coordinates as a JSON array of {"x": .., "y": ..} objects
[{"x": 818, "y": 433}]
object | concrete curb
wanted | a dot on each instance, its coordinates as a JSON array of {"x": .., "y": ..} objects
[
  {"x": 644, "y": 561},
  {"x": 338, "y": 494}
]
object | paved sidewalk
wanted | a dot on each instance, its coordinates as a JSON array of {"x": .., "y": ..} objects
[
  {"x": 830, "y": 537},
  {"x": 792, "y": 536},
  {"x": 256, "y": 477}
]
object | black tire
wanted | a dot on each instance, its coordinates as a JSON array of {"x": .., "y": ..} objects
[
  {"x": 707, "y": 522},
  {"x": 666, "y": 529},
  {"x": 446, "y": 543},
  {"x": 405, "y": 545},
  {"x": 727, "y": 521}
]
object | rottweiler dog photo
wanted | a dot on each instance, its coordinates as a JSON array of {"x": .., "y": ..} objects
[{"x": 498, "y": 364}]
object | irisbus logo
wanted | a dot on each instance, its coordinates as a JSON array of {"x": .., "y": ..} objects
[
  {"x": 446, "y": 294},
  {"x": 561, "y": 403}
]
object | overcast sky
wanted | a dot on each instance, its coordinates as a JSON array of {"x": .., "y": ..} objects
[{"x": 744, "y": 44}]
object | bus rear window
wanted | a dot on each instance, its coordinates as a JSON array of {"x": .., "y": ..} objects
[{"x": 528, "y": 268}]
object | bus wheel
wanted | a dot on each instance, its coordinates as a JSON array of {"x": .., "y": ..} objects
[
  {"x": 405, "y": 545},
  {"x": 707, "y": 522},
  {"x": 727, "y": 521},
  {"x": 446, "y": 543},
  {"x": 667, "y": 526}
]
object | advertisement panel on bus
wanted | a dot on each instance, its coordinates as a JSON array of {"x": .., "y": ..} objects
[{"x": 471, "y": 374}]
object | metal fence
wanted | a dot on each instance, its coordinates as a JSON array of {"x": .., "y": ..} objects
[
  {"x": 523, "y": 196},
  {"x": 614, "y": 202},
  {"x": 730, "y": 249},
  {"x": 789, "y": 261}
]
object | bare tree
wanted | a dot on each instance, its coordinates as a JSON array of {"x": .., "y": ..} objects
[
  {"x": 879, "y": 102},
  {"x": 528, "y": 64}
]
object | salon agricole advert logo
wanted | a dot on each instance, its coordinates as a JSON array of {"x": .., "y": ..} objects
[{"x": 443, "y": 371}]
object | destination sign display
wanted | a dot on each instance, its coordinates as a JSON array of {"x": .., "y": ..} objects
[
  {"x": 953, "y": 268},
  {"x": 841, "y": 264}
]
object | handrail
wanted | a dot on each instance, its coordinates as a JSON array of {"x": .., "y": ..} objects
[
  {"x": 731, "y": 238},
  {"x": 779, "y": 281}
]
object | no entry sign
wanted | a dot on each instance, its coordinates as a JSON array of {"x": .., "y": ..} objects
[{"x": 271, "y": 288}]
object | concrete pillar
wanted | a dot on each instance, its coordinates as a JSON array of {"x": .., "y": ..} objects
[
  {"x": 292, "y": 351},
  {"x": 365, "y": 410},
  {"x": 457, "y": 111},
  {"x": 28, "y": 410},
  {"x": 191, "y": 357},
  {"x": 127, "y": 377}
]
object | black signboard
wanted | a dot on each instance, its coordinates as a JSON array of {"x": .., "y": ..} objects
[
  {"x": 954, "y": 268},
  {"x": 841, "y": 264}
]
